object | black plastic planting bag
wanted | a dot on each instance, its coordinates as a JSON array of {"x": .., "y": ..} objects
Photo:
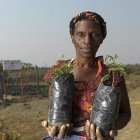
[
  {"x": 106, "y": 107},
  {"x": 60, "y": 109}
]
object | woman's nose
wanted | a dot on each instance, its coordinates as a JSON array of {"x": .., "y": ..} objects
[{"x": 88, "y": 39}]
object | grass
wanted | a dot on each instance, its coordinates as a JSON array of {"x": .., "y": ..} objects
[
  {"x": 24, "y": 118},
  {"x": 21, "y": 116},
  {"x": 131, "y": 131}
]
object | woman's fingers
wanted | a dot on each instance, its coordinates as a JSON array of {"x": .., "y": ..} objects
[
  {"x": 61, "y": 133},
  {"x": 68, "y": 129},
  {"x": 98, "y": 134},
  {"x": 92, "y": 132},
  {"x": 87, "y": 128},
  {"x": 51, "y": 131},
  {"x": 44, "y": 123},
  {"x": 113, "y": 133}
]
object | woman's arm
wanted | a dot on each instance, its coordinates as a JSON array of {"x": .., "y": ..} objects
[
  {"x": 123, "y": 118},
  {"x": 125, "y": 110}
]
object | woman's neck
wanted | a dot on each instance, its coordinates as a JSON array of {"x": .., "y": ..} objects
[
  {"x": 85, "y": 62},
  {"x": 85, "y": 68}
]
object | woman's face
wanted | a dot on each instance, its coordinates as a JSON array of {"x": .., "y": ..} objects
[{"x": 87, "y": 38}]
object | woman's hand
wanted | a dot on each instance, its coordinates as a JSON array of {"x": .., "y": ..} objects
[
  {"x": 94, "y": 132},
  {"x": 53, "y": 131}
]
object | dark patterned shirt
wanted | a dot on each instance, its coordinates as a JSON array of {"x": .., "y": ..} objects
[{"x": 85, "y": 92}]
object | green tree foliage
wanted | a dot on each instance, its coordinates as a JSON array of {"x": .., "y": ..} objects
[{"x": 26, "y": 66}]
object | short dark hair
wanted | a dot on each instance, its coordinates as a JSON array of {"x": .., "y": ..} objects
[{"x": 88, "y": 16}]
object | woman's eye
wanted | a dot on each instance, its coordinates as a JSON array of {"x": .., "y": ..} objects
[
  {"x": 95, "y": 35},
  {"x": 80, "y": 34}
]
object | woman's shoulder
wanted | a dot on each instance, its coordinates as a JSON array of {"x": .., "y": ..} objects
[
  {"x": 100, "y": 59},
  {"x": 102, "y": 68}
]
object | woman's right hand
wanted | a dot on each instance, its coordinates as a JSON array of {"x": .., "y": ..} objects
[
  {"x": 65, "y": 130},
  {"x": 94, "y": 133}
]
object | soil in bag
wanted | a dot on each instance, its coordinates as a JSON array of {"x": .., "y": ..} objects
[
  {"x": 60, "y": 109},
  {"x": 105, "y": 107}
]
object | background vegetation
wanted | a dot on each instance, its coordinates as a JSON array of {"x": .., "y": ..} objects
[{"x": 20, "y": 116}]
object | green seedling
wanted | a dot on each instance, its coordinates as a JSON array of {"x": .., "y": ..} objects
[
  {"x": 63, "y": 68},
  {"x": 113, "y": 65}
]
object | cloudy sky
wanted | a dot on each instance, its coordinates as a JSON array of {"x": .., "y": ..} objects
[{"x": 37, "y": 31}]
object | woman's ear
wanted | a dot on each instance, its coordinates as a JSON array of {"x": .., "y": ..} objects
[
  {"x": 101, "y": 41},
  {"x": 72, "y": 38}
]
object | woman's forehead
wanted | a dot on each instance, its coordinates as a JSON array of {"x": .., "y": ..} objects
[{"x": 87, "y": 25}]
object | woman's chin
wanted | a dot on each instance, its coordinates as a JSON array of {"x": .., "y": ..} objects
[{"x": 88, "y": 55}]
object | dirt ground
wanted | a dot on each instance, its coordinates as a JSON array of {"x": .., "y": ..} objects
[{"x": 23, "y": 115}]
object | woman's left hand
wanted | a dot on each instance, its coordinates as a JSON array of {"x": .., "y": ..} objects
[
  {"x": 94, "y": 132},
  {"x": 53, "y": 131}
]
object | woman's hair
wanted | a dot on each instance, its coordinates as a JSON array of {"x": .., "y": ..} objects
[{"x": 88, "y": 16}]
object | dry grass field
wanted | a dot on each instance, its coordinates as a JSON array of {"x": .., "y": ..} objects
[
  {"x": 132, "y": 130},
  {"x": 23, "y": 115}
]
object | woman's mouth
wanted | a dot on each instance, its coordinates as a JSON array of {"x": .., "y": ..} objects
[{"x": 86, "y": 50}]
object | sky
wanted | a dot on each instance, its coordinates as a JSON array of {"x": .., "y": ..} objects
[{"x": 37, "y": 31}]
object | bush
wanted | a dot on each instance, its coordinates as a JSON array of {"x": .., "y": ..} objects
[{"x": 133, "y": 69}]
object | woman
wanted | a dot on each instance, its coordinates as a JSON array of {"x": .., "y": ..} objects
[{"x": 88, "y": 30}]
